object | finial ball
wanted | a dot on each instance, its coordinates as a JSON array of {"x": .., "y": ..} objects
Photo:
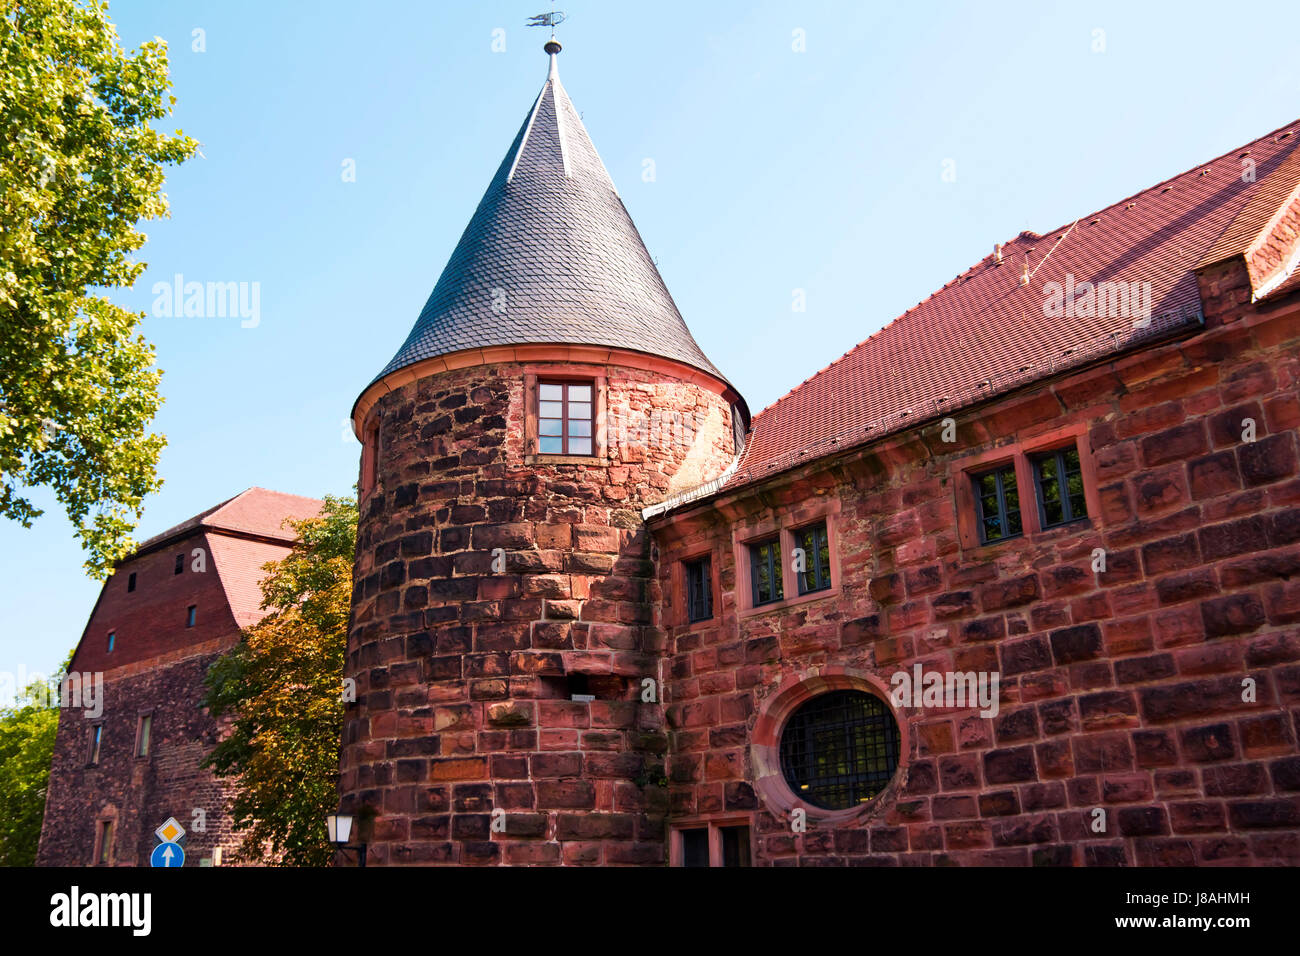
[{"x": 552, "y": 46}]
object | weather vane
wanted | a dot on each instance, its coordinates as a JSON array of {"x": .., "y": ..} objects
[{"x": 552, "y": 20}]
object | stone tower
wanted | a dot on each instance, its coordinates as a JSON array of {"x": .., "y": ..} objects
[{"x": 504, "y": 637}]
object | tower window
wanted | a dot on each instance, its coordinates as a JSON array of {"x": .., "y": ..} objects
[
  {"x": 180, "y": 564},
  {"x": 112, "y": 639},
  {"x": 816, "y": 573},
  {"x": 1058, "y": 481},
  {"x": 565, "y": 416},
  {"x": 189, "y": 615},
  {"x": 840, "y": 749},
  {"x": 998, "y": 501},
  {"x": 130, "y": 582},
  {"x": 765, "y": 571},
  {"x": 699, "y": 589},
  {"x": 96, "y": 739}
]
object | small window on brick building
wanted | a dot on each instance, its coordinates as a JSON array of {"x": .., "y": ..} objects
[
  {"x": 765, "y": 571},
  {"x": 189, "y": 615},
  {"x": 816, "y": 574},
  {"x": 104, "y": 839},
  {"x": 1058, "y": 482},
  {"x": 565, "y": 416},
  {"x": 142, "y": 732},
  {"x": 130, "y": 582},
  {"x": 998, "y": 502},
  {"x": 699, "y": 589},
  {"x": 840, "y": 749},
  {"x": 180, "y": 564},
  {"x": 96, "y": 738},
  {"x": 712, "y": 844},
  {"x": 112, "y": 639}
]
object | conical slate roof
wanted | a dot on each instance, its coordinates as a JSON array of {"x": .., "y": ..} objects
[{"x": 551, "y": 256}]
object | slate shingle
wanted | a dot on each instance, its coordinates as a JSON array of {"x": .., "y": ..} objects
[{"x": 552, "y": 243}]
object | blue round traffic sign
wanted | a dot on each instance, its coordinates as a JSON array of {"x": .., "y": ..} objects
[{"x": 167, "y": 854}]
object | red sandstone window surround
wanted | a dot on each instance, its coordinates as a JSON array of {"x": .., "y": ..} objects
[
  {"x": 725, "y": 841},
  {"x": 807, "y": 540},
  {"x": 1037, "y": 489},
  {"x": 94, "y": 743},
  {"x": 369, "y": 459},
  {"x": 143, "y": 731},
  {"x": 104, "y": 833},
  {"x": 564, "y": 415}
]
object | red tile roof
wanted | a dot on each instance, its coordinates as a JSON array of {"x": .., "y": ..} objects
[
  {"x": 255, "y": 511},
  {"x": 985, "y": 333}
]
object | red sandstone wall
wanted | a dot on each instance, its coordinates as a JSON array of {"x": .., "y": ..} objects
[
  {"x": 1120, "y": 690},
  {"x": 138, "y": 793},
  {"x": 462, "y": 705}
]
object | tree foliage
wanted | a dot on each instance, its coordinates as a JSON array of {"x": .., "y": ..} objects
[
  {"x": 27, "y": 732},
  {"x": 80, "y": 167},
  {"x": 282, "y": 686}
]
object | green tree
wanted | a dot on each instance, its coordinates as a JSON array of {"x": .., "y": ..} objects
[
  {"x": 80, "y": 167},
  {"x": 27, "y": 732},
  {"x": 282, "y": 686}
]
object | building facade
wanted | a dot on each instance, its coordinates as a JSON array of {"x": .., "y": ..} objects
[
  {"x": 125, "y": 765},
  {"x": 1009, "y": 583}
]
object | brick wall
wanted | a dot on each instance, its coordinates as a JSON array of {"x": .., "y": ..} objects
[
  {"x": 464, "y": 702},
  {"x": 157, "y": 665},
  {"x": 151, "y": 619},
  {"x": 1120, "y": 690}
]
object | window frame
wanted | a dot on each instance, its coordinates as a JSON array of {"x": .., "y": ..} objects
[
  {"x": 537, "y": 375},
  {"x": 566, "y": 419},
  {"x": 998, "y": 471},
  {"x": 817, "y": 510},
  {"x": 1058, "y": 454},
  {"x": 706, "y": 561},
  {"x": 796, "y": 534},
  {"x": 715, "y": 826},
  {"x": 143, "y": 720},
  {"x": 775, "y": 569},
  {"x": 961, "y": 471},
  {"x": 191, "y": 615},
  {"x": 95, "y": 744},
  {"x": 105, "y": 841}
]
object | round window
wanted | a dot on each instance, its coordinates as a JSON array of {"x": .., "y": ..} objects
[{"x": 840, "y": 749}]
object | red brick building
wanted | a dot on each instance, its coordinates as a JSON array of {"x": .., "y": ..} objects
[
  {"x": 601, "y": 617},
  {"x": 165, "y": 614}
]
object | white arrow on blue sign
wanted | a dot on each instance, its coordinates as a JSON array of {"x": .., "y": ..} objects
[{"x": 167, "y": 854}]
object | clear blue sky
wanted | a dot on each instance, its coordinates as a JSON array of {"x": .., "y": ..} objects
[{"x": 775, "y": 170}]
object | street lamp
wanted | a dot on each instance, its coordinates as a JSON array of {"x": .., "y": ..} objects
[{"x": 339, "y": 827}]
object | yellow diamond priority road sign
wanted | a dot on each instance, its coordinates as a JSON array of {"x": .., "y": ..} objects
[{"x": 170, "y": 832}]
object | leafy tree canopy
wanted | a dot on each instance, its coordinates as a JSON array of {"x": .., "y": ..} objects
[
  {"x": 27, "y": 732},
  {"x": 80, "y": 166},
  {"x": 282, "y": 687}
]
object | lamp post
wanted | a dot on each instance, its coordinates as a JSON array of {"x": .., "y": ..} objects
[{"x": 339, "y": 827}]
